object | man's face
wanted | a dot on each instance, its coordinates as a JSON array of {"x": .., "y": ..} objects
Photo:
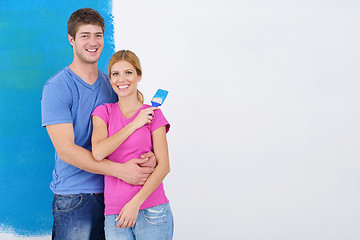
[{"x": 88, "y": 43}]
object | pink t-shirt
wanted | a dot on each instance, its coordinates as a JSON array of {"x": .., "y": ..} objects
[{"x": 117, "y": 192}]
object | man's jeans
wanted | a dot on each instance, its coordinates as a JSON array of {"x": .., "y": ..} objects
[
  {"x": 154, "y": 223},
  {"x": 78, "y": 217}
]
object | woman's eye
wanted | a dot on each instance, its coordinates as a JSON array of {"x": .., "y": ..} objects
[
  {"x": 114, "y": 74},
  {"x": 128, "y": 72}
]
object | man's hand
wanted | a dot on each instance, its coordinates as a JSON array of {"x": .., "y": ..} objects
[
  {"x": 150, "y": 160},
  {"x": 135, "y": 171},
  {"x": 132, "y": 173}
]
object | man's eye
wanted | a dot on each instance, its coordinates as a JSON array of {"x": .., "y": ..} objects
[{"x": 99, "y": 36}]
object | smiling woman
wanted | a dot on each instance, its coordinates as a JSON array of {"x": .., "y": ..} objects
[
  {"x": 125, "y": 66},
  {"x": 124, "y": 78},
  {"x": 123, "y": 131}
]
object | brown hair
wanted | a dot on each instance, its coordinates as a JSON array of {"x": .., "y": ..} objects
[
  {"x": 84, "y": 16},
  {"x": 130, "y": 57}
]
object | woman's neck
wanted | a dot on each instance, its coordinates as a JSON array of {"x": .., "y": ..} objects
[{"x": 129, "y": 104}]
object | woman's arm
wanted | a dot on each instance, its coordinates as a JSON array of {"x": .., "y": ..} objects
[
  {"x": 103, "y": 146},
  {"x": 128, "y": 214}
]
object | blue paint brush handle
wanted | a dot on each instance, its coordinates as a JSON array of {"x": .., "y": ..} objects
[
  {"x": 155, "y": 104},
  {"x": 159, "y": 98}
]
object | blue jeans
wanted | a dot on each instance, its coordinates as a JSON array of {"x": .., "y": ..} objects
[
  {"x": 154, "y": 223},
  {"x": 78, "y": 216}
]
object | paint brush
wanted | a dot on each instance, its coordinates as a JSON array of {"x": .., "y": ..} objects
[{"x": 159, "y": 98}]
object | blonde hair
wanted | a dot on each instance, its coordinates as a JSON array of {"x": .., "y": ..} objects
[{"x": 130, "y": 57}]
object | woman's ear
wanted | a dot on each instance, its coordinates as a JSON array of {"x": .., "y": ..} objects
[{"x": 139, "y": 78}]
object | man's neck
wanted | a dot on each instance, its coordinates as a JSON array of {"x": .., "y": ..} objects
[{"x": 87, "y": 72}]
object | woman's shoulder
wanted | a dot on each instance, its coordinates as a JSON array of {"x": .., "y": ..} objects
[
  {"x": 110, "y": 105},
  {"x": 107, "y": 107},
  {"x": 144, "y": 106}
]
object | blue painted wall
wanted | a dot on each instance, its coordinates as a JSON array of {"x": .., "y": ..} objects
[{"x": 34, "y": 46}]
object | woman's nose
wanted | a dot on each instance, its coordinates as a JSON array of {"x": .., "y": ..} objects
[{"x": 121, "y": 78}]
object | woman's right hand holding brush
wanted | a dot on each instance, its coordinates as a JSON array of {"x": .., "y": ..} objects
[{"x": 144, "y": 117}]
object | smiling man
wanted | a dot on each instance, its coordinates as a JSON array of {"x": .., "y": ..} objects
[{"x": 69, "y": 97}]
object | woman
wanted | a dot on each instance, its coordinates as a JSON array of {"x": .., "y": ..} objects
[{"x": 125, "y": 130}]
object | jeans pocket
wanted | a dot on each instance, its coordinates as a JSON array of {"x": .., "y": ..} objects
[
  {"x": 65, "y": 203},
  {"x": 156, "y": 215}
]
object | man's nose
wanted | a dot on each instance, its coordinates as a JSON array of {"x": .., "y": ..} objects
[{"x": 93, "y": 40}]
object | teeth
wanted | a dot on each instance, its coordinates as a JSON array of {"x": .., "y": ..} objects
[
  {"x": 91, "y": 50},
  {"x": 121, "y": 87}
]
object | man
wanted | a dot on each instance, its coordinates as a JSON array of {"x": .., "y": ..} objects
[{"x": 68, "y": 99}]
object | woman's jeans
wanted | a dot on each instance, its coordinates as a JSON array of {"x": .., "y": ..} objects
[
  {"x": 154, "y": 223},
  {"x": 78, "y": 217}
]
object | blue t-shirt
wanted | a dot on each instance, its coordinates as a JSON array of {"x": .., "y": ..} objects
[{"x": 66, "y": 98}]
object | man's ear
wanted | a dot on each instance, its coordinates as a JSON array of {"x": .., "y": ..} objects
[{"x": 71, "y": 40}]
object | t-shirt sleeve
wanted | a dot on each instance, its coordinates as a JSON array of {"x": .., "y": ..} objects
[
  {"x": 55, "y": 105},
  {"x": 159, "y": 120},
  {"x": 102, "y": 112}
]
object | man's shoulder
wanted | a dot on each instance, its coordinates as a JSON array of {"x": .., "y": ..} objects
[
  {"x": 59, "y": 83},
  {"x": 102, "y": 73},
  {"x": 59, "y": 75},
  {"x": 103, "y": 76},
  {"x": 59, "y": 78}
]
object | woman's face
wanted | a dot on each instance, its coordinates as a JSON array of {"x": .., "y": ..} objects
[{"x": 124, "y": 78}]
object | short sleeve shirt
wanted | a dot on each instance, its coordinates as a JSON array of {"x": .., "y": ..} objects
[
  {"x": 66, "y": 98},
  {"x": 117, "y": 192}
]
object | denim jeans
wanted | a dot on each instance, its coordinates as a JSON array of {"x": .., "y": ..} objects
[
  {"x": 154, "y": 223},
  {"x": 78, "y": 216}
]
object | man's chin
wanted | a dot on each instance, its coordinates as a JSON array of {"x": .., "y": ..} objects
[
  {"x": 89, "y": 60},
  {"x": 92, "y": 62}
]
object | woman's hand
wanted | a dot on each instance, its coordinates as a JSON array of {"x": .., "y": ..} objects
[
  {"x": 144, "y": 117},
  {"x": 128, "y": 215},
  {"x": 150, "y": 160}
]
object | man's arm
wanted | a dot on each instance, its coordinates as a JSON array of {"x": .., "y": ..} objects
[{"x": 62, "y": 137}]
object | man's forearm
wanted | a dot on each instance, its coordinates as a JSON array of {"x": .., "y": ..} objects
[
  {"x": 83, "y": 159},
  {"x": 129, "y": 172},
  {"x": 62, "y": 137}
]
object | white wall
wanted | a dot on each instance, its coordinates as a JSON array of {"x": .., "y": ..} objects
[{"x": 264, "y": 106}]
